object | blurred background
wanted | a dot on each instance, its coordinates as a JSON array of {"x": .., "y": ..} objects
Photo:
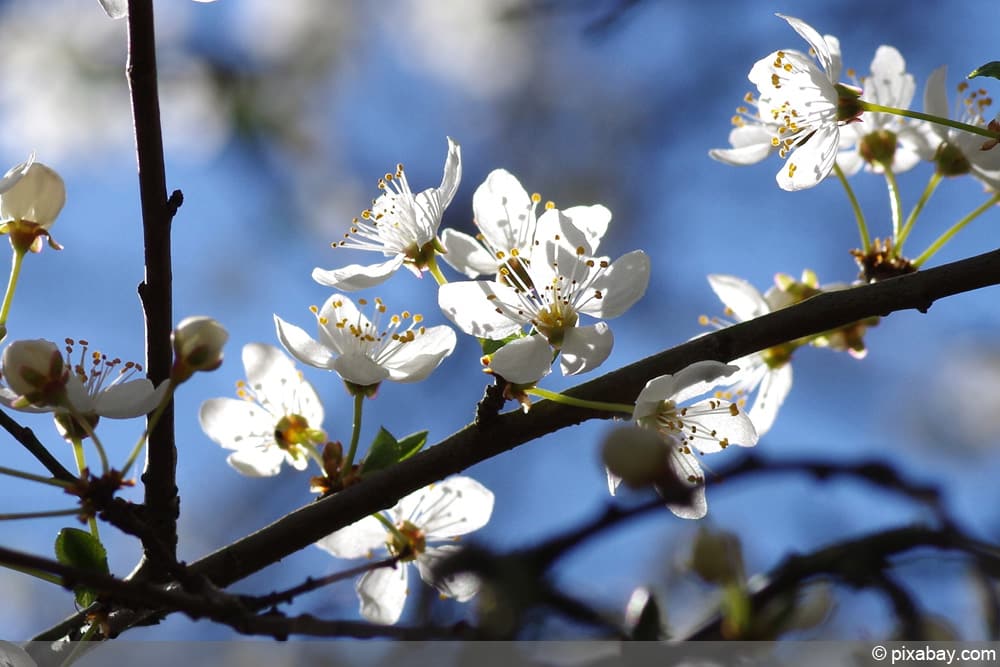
[{"x": 278, "y": 120}]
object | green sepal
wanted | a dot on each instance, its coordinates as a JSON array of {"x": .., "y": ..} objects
[
  {"x": 990, "y": 69},
  {"x": 491, "y": 346},
  {"x": 78, "y": 548},
  {"x": 385, "y": 450}
]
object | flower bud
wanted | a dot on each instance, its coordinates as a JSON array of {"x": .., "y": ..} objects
[
  {"x": 638, "y": 456},
  {"x": 32, "y": 192},
  {"x": 34, "y": 370},
  {"x": 198, "y": 343}
]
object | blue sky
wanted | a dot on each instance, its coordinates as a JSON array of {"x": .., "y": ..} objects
[{"x": 623, "y": 117}]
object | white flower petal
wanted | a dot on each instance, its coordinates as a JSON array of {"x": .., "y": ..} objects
[
  {"x": 523, "y": 361},
  {"x": 357, "y": 540},
  {"x": 115, "y": 9},
  {"x": 695, "y": 380},
  {"x": 585, "y": 348},
  {"x": 621, "y": 285},
  {"x": 819, "y": 45},
  {"x": 739, "y": 296},
  {"x": 302, "y": 346},
  {"x": 414, "y": 360},
  {"x": 614, "y": 481},
  {"x": 257, "y": 461},
  {"x": 463, "y": 587},
  {"x": 504, "y": 211},
  {"x": 688, "y": 471},
  {"x": 454, "y": 507},
  {"x": 128, "y": 399},
  {"x": 236, "y": 424},
  {"x": 452, "y": 175},
  {"x": 936, "y": 99},
  {"x": 359, "y": 369},
  {"x": 812, "y": 161},
  {"x": 581, "y": 226},
  {"x": 383, "y": 594},
  {"x": 356, "y": 277},
  {"x": 772, "y": 393},
  {"x": 736, "y": 429},
  {"x": 468, "y": 305},
  {"x": 751, "y": 144},
  {"x": 466, "y": 255}
]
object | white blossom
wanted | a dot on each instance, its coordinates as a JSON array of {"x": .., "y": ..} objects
[
  {"x": 420, "y": 521},
  {"x": 277, "y": 419}
]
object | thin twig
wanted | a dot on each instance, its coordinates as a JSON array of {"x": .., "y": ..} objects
[{"x": 27, "y": 438}]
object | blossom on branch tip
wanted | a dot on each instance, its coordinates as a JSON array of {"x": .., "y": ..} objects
[
  {"x": 31, "y": 197},
  {"x": 953, "y": 151},
  {"x": 766, "y": 376},
  {"x": 365, "y": 352},
  {"x": 548, "y": 289},
  {"x": 411, "y": 531},
  {"x": 507, "y": 219},
  {"x": 798, "y": 111},
  {"x": 92, "y": 387},
  {"x": 400, "y": 224},
  {"x": 879, "y": 138},
  {"x": 277, "y": 419},
  {"x": 704, "y": 427},
  {"x": 198, "y": 343}
]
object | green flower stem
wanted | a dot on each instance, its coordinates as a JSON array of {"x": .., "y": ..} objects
[
  {"x": 15, "y": 272},
  {"x": 150, "y": 425},
  {"x": 39, "y": 515},
  {"x": 97, "y": 441},
  {"x": 579, "y": 402},
  {"x": 391, "y": 527},
  {"x": 359, "y": 401},
  {"x": 954, "y": 229},
  {"x": 935, "y": 180},
  {"x": 81, "y": 464},
  {"x": 35, "y": 478},
  {"x": 859, "y": 215},
  {"x": 895, "y": 202},
  {"x": 908, "y": 113},
  {"x": 434, "y": 270}
]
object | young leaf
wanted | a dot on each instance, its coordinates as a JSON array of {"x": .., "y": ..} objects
[
  {"x": 991, "y": 69},
  {"x": 81, "y": 550},
  {"x": 411, "y": 444},
  {"x": 382, "y": 453},
  {"x": 385, "y": 450}
]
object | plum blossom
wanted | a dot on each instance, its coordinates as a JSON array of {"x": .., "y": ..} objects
[
  {"x": 39, "y": 379},
  {"x": 277, "y": 419},
  {"x": 705, "y": 427},
  {"x": 401, "y": 225},
  {"x": 548, "y": 289},
  {"x": 31, "y": 197},
  {"x": 953, "y": 151},
  {"x": 198, "y": 343},
  {"x": 361, "y": 351},
  {"x": 764, "y": 375},
  {"x": 883, "y": 138},
  {"x": 507, "y": 218},
  {"x": 410, "y": 531},
  {"x": 798, "y": 111}
]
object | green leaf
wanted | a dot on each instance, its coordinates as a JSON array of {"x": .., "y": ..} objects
[
  {"x": 991, "y": 69},
  {"x": 78, "y": 548},
  {"x": 385, "y": 450},
  {"x": 382, "y": 453},
  {"x": 411, "y": 444}
]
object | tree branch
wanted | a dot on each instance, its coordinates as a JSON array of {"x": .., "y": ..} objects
[
  {"x": 473, "y": 444},
  {"x": 155, "y": 291}
]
